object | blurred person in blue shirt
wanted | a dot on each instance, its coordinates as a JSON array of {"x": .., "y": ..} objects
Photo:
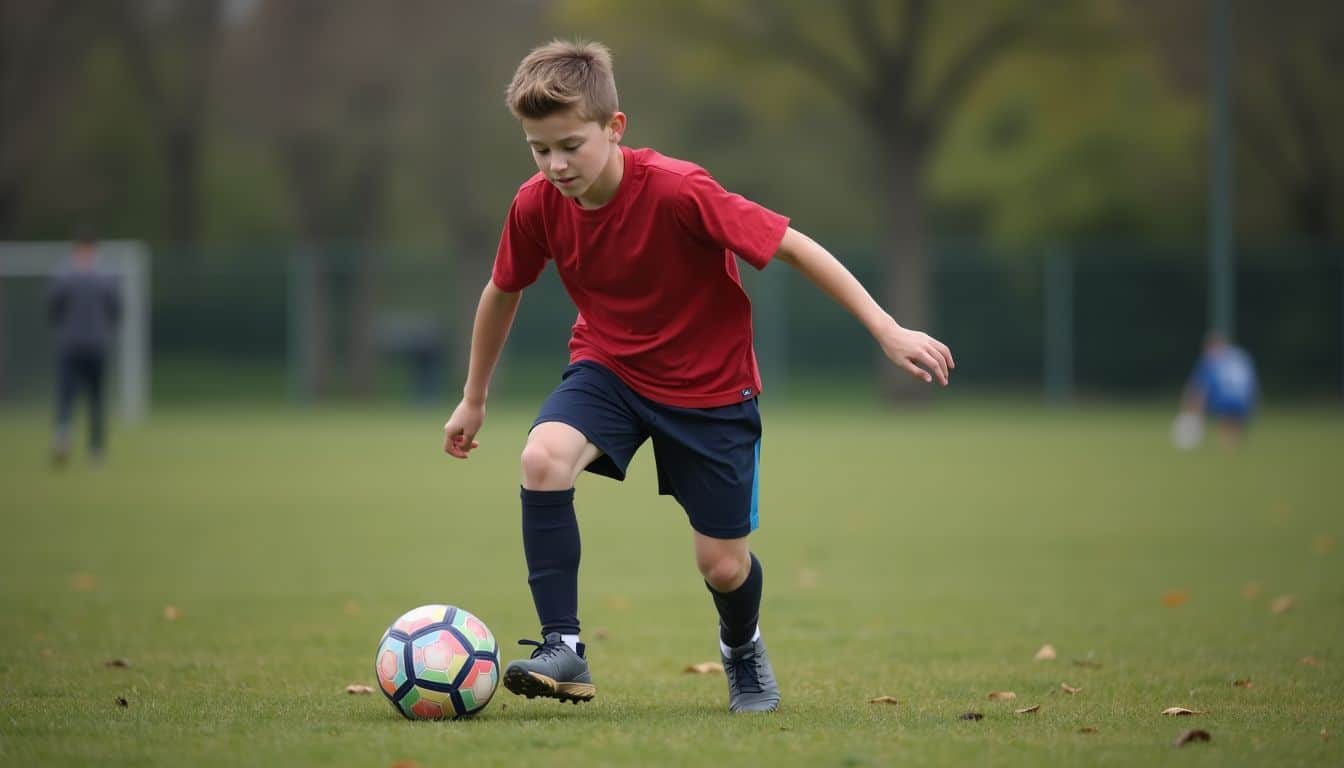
[
  {"x": 1223, "y": 388},
  {"x": 84, "y": 309}
]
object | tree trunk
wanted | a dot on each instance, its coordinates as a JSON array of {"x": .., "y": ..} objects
[
  {"x": 905, "y": 260},
  {"x": 184, "y": 161}
]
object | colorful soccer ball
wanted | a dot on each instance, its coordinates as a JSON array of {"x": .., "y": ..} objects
[{"x": 437, "y": 662}]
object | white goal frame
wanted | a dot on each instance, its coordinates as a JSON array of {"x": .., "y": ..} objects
[{"x": 129, "y": 261}]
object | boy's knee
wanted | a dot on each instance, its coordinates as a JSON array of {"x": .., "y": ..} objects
[
  {"x": 725, "y": 572},
  {"x": 543, "y": 470}
]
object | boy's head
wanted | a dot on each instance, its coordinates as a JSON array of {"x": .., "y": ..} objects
[
  {"x": 564, "y": 95},
  {"x": 563, "y": 75}
]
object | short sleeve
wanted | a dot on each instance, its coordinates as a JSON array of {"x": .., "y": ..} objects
[
  {"x": 708, "y": 211},
  {"x": 522, "y": 253}
]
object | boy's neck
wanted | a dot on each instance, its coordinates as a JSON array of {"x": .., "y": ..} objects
[{"x": 608, "y": 182}]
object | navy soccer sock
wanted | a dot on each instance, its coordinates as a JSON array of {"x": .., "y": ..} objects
[
  {"x": 740, "y": 610},
  {"x": 551, "y": 544}
]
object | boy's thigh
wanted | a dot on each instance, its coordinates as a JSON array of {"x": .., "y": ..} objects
[
  {"x": 709, "y": 461},
  {"x": 592, "y": 400}
]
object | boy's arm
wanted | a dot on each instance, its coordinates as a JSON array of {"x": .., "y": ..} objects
[
  {"x": 494, "y": 317},
  {"x": 923, "y": 356}
]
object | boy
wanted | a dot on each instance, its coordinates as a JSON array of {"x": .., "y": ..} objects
[
  {"x": 646, "y": 247},
  {"x": 1222, "y": 387}
]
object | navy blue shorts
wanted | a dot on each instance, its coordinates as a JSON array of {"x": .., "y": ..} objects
[{"x": 708, "y": 458}]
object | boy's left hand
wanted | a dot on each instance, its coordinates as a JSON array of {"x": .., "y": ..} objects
[{"x": 923, "y": 356}]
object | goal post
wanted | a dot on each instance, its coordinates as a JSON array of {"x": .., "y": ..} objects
[{"x": 129, "y": 261}]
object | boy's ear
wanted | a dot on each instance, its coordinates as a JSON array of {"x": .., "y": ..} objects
[{"x": 616, "y": 126}]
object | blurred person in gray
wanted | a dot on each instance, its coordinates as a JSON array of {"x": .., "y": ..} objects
[{"x": 83, "y": 309}]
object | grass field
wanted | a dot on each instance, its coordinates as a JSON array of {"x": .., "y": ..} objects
[{"x": 924, "y": 556}]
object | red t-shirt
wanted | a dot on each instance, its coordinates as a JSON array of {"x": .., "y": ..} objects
[{"x": 653, "y": 275}]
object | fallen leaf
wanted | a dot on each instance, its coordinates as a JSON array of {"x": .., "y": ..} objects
[
  {"x": 1243, "y": 683},
  {"x": 122, "y": 702},
  {"x": 1088, "y": 729},
  {"x": 1001, "y": 696},
  {"x": 83, "y": 581},
  {"x": 123, "y": 663},
  {"x": 405, "y": 764},
  {"x": 807, "y": 578},
  {"x": 704, "y": 668},
  {"x": 601, "y": 634},
  {"x": 1323, "y": 544},
  {"x": 1192, "y": 735},
  {"x": 970, "y": 716},
  {"x": 1325, "y": 734},
  {"x": 1174, "y": 711},
  {"x": 171, "y": 613},
  {"x": 358, "y": 689},
  {"x": 1047, "y": 653},
  {"x": 1087, "y": 663},
  {"x": 1065, "y": 687},
  {"x": 1251, "y": 590},
  {"x": 1281, "y": 604},
  {"x": 1175, "y": 598},
  {"x": 1027, "y": 710},
  {"x": 884, "y": 700},
  {"x": 351, "y": 608},
  {"x": 1311, "y": 661}
]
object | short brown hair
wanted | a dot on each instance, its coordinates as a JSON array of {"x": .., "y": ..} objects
[{"x": 564, "y": 74}]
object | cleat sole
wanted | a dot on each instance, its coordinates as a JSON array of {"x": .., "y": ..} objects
[{"x": 532, "y": 685}]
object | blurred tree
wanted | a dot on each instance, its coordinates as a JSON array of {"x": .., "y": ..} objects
[
  {"x": 903, "y": 69},
  {"x": 42, "y": 43},
  {"x": 1287, "y": 106},
  {"x": 170, "y": 48}
]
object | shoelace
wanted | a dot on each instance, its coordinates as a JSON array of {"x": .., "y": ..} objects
[
  {"x": 546, "y": 650},
  {"x": 744, "y": 673}
]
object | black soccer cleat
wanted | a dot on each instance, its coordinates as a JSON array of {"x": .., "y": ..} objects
[{"x": 554, "y": 671}]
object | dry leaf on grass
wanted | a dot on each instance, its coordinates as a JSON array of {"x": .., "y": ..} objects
[
  {"x": 970, "y": 716},
  {"x": 171, "y": 613},
  {"x": 1323, "y": 544},
  {"x": 1325, "y": 734},
  {"x": 1065, "y": 687},
  {"x": 1251, "y": 590},
  {"x": 1027, "y": 710},
  {"x": 1192, "y": 735},
  {"x": 1243, "y": 683},
  {"x": 1311, "y": 661},
  {"x": 122, "y": 702},
  {"x": 1174, "y": 711},
  {"x": 1088, "y": 729},
  {"x": 884, "y": 700},
  {"x": 1175, "y": 598},
  {"x": 703, "y": 668},
  {"x": 358, "y": 689},
  {"x": 1001, "y": 696},
  {"x": 1047, "y": 653},
  {"x": 123, "y": 663},
  {"x": 405, "y": 764},
  {"x": 83, "y": 581},
  {"x": 1281, "y": 604}
]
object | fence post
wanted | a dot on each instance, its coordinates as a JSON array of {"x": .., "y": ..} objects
[{"x": 1058, "y": 331}]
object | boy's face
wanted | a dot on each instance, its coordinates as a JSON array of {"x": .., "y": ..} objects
[{"x": 573, "y": 153}]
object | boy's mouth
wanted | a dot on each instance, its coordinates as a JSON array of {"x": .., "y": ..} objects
[{"x": 566, "y": 181}]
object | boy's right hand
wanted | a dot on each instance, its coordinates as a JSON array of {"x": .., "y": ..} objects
[{"x": 459, "y": 433}]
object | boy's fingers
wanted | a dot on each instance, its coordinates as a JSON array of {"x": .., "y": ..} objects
[
  {"x": 947, "y": 354},
  {"x": 935, "y": 365},
  {"x": 916, "y": 371}
]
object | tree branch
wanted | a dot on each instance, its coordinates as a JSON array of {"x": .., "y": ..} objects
[
  {"x": 805, "y": 54},
  {"x": 976, "y": 58}
]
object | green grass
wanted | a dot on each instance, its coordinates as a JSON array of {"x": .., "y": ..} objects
[{"x": 923, "y": 555}]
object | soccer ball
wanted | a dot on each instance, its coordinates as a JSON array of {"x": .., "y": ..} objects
[{"x": 437, "y": 662}]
